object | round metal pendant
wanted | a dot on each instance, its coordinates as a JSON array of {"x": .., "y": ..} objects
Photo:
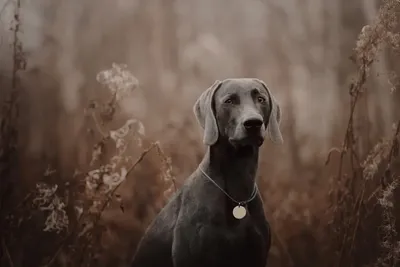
[{"x": 239, "y": 212}]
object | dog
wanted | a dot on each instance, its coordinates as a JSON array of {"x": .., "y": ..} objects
[{"x": 216, "y": 218}]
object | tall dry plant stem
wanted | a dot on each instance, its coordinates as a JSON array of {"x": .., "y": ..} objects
[
  {"x": 369, "y": 43},
  {"x": 8, "y": 132}
]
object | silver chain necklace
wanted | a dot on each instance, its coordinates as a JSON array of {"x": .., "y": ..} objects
[{"x": 239, "y": 211}]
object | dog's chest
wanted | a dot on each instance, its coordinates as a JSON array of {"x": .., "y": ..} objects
[
  {"x": 246, "y": 232},
  {"x": 245, "y": 244}
]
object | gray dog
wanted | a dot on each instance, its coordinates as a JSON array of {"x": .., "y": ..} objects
[{"x": 217, "y": 219}]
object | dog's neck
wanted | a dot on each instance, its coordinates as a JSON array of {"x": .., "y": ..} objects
[{"x": 233, "y": 169}]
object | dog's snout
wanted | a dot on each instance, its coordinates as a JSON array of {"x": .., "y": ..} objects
[{"x": 253, "y": 123}]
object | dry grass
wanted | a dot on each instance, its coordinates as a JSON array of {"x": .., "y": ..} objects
[{"x": 90, "y": 205}]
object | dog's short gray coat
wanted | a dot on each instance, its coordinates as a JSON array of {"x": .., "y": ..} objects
[{"x": 196, "y": 228}]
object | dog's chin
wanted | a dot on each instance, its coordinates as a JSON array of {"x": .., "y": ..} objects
[{"x": 247, "y": 141}]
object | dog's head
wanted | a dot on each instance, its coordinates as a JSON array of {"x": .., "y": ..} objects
[{"x": 240, "y": 111}]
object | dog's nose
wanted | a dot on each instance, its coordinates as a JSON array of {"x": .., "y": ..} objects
[{"x": 252, "y": 124}]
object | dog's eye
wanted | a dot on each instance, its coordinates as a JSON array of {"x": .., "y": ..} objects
[
  {"x": 228, "y": 101},
  {"x": 261, "y": 99}
]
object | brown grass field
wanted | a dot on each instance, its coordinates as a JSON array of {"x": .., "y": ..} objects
[{"x": 97, "y": 129}]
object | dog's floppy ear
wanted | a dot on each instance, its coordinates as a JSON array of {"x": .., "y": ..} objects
[
  {"x": 205, "y": 116},
  {"x": 274, "y": 117}
]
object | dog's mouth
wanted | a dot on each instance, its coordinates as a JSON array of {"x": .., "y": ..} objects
[{"x": 247, "y": 137}]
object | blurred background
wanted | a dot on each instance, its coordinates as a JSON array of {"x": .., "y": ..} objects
[{"x": 51, "y": 52}]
